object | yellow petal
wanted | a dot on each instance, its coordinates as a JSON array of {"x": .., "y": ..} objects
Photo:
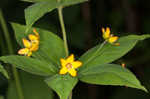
[
  {"x": 34, "y": 47},
  {"x": 113, "y": 39},
  {"x": 29, "y": 53},
  {"x": 70, "y": 59},
  {"x": 26, "y": 43},
  {"x": 33, "y": 37},
  {"x": 107, "y": 33},
  {"x": 36, "y": 33},
  {"x": 107, "y": 30},
  {"x": 73, "y": 72},
  {"x": 76, "y": 64},
  {"x": 103, "y": 30},
  {"x": 63, "y": 62},
  {"x": 23, "y": 51},
  {"x": 63, "y": 70}
]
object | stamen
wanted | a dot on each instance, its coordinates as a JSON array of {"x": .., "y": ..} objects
[{"x": 69, "y": 66}]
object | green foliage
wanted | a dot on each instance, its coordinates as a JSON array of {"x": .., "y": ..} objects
[
  {"x": 30, "y": 64},
  {"x": 95, "y": 70},
  {"x": 49, "y": 43},
  {"x": 46, "y": 60},
  {"x": 33, "y": 88},
  {"x": 108, "y": 52},
  {"x": 39, "y": 9},
  {"x": 36, "y": 0},
  {"x": 3, "y": 71},
  {"x": 110, "y": 74},
  {"x": 63, "y": 85}
]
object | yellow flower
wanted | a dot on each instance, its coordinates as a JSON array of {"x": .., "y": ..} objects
[
  {"x": 25, "y": 51},
  {"x": 106, "y": 33},
  {"x": 30, "y": 45},
  {"x": 109, "y": 37},
  {"x": 35, "y": 46},
  {"x": 34, "y": 38},
  {"x": 69, "y": 65}
]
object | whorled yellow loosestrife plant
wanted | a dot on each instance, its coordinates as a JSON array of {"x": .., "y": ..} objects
[{"x": 61, "y": 71}]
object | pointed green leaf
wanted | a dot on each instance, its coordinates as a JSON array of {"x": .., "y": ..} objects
[
  {"x": 110, "y": 74},
  {"x": 108, "y": 52},
  {"x": 33, "y": 87},
  {"x": 39, "y": 9},
  {"x": 73, "y": 1},
  {"x": 3, "y": 71},
  {"x": 62, "y": 84},
  {"x": 35, "y": 0},
  {"x": 51, "y": 47},
  {"x": 30, "y": 64}
]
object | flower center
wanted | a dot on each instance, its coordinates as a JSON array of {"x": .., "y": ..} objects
[{"x": 69, "y": 66}]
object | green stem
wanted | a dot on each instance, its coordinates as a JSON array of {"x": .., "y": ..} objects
[
  {"x": 63, "y": 29},
  {"x": 70, "y": 96},
  {"x": 96, "y": 52},
  {"x": 60, "y": 14},
  {"x": 11, "y": 51}
]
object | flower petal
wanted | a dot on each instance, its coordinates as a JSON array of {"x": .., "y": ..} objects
[
  {"x": 23, "y": 51},
  {"x": 29, "y": 53},
  {"x": 70, "y": 59},
  {"x": 63, "y": 70},
  {"x": 113, "y": 39},
  {"x": 103, "y": 30},
  {"x": 33, "y": 37},
  {"x": 63, "y": 62},
  {"x": 26, "y": 43},
  {"x": 107, "y": 33},
  {"x": 34, "y": 47},
  {"x": 73, "y": 72},
  {"x": 76, "y": 64}
]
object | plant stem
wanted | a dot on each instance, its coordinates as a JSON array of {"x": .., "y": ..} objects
[
  {"x": 98, "y": 49},
  {"x": 70, "y": 96},
  {"x": 11, "y": 51},
  {"x": 60, "y": 14},
  {"x": 63, "y": 29}
]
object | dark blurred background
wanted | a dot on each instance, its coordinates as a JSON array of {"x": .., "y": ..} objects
[{"x": 83, "y": 23}]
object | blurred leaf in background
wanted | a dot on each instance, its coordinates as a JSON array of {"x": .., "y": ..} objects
[{"x": 33, "y": 87}]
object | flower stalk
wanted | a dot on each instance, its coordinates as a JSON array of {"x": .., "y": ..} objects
[
  {"x": 11, "y": 51},
  {"x": 60, "y": 14},
  {"x": 96, "y": 52}
]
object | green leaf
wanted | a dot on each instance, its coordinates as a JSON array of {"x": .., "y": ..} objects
[
  {"x": 30, "y": 64},
  {"x": 51, "y": 47},
  {"x": 110, "y": 74},
  {"x": 33, "y": 87},
  {"x": 39, "y": 9},
  {"x": 109, "y": 53},
  {"x": 35, "y": 0},
  {"x": 62, "y": 84},
  {"x": 3, "y": 71}
]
